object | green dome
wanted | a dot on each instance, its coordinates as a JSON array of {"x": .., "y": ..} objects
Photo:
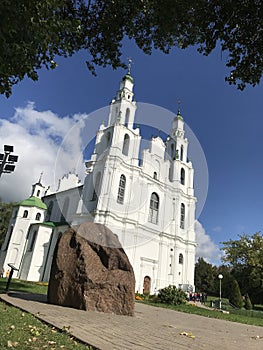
[
  {"x": 128, "y": 76},
  {"x": 33, "y": 202},
  {"x": 179, "y": 116}
]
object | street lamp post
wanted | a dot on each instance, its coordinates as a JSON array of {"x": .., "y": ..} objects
[
  {"x": 220, "y": 300},
  {"x": 7, "y": 160}
]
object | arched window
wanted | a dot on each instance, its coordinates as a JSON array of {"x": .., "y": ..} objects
[
  {"x": 182, "y": 153},
  {"x": 108, "y": 138},
  {"x": 64, "y": 210},
  {"x": 121, "y": 190},
  {"x": 49, "y": 210},
  {"x": 38, "y": 193},
  {"x": 172, "y": 152},
  {"x": 182, "y": 215},
  {"x": 33, "y": 240},
  {"x": 126, "y": 144},
  {"x": 182, "y": 177},
  {"x": 38, "y": 216},
  {"x": 25, "y": 214},
  {"x": 155, "y": 175},
  {"x": 181, "y": 258},
  {"x": 96, "y": 187},
  {"x": 154, "y": 208},
  {"x": 127, "y": 116}
]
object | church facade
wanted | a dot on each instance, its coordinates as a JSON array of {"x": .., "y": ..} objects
[{"x": 146, "y": 197}]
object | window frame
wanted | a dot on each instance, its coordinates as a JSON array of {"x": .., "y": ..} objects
[
  {"x": 154, "y": 208},
  {"x": 126, "y": 145},
  {"x": 181, "y": 259},
  {"x": 182, "y": 176},
  {"x": 121, "y": 189},
  {"x": 182, "y": 216}
]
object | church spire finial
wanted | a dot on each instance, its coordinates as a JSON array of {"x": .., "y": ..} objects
[
  {"x": 129, "y": 65},
  {"x": 40, "y": 177},
  {"x": 179, "y": 106}
]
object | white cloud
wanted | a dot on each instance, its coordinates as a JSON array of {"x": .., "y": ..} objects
[
  {"x": 206, "y": 247},
  {"x": 37, "y": 138}
]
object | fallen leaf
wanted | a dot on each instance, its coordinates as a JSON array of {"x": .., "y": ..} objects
[
  {"x": 183, "y": 333},
  {"x": 188, "y": 334},
  {"x": 11, "y": 344}
]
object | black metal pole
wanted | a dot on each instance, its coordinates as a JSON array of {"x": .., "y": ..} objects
[
  {"x": 3, "y": 163},
  {"x": 9, "y": 280}
]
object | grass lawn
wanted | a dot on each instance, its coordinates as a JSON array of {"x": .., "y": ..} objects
[
  {"x": 20, "y": 330},
  {"x": 24, "y": 286},
  {"x": 189, "y": 308}
]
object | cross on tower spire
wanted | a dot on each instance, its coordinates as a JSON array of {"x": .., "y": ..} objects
[
  {"x": 179, "y": 106},
  {"x": 130, "y": 62},
  {"x": 40, "y": 177}
]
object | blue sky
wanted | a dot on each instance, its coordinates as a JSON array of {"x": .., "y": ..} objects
[{"x": 227, "y": 122}]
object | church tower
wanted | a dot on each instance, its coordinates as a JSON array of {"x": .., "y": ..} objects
[
  {"x": 123, "y": 107},
  {"x": 116, "y": 143},
  {"x": 25, "y": 213}
]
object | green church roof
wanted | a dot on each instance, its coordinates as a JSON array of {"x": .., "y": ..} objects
[
  {"x": 33, "y": 202},
  {"x": 179, "y": 116},
  {"x": 128, "y": 76}
]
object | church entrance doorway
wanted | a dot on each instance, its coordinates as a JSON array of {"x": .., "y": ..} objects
[{"x": 146, "y": 285}]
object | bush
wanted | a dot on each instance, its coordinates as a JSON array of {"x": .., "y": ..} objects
[
  {"x": 171, "y": 295},
  {"x": 235, "y": 297},
  {"x": 248, "y": 304}
]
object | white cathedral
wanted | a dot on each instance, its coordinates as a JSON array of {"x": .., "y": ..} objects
[{"x": 146, "y": 197}]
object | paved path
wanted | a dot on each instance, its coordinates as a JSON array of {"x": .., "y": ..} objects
[{"x": 151, "y": 328}]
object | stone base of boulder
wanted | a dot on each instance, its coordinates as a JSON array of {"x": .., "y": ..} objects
[{"x": 91, "y": 271}]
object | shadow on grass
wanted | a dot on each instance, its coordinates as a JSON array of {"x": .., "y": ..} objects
[
  {"x": 23, "y": 286},
  {"x": 29, "y": 296}
]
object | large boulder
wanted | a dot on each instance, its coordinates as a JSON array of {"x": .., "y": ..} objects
[{"x": 91, "y": 271}]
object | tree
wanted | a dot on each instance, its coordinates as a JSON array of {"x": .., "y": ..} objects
[
  {"x": 247, "y": 303},
  {"x": 204, "y": 278},
  {"x": 34, "y": 32},
  {"x": 226, "y": 282},
  {"x": 235, "y": 296},
  {"x": 5, "y": 216},
  {"x": 245, "y": 256}
]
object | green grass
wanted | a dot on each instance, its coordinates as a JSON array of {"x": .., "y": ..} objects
[
  {"x": 22, "y": 331},
  {"x": 23, "y": 286},
  {"x": 233, "y": 317}
]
